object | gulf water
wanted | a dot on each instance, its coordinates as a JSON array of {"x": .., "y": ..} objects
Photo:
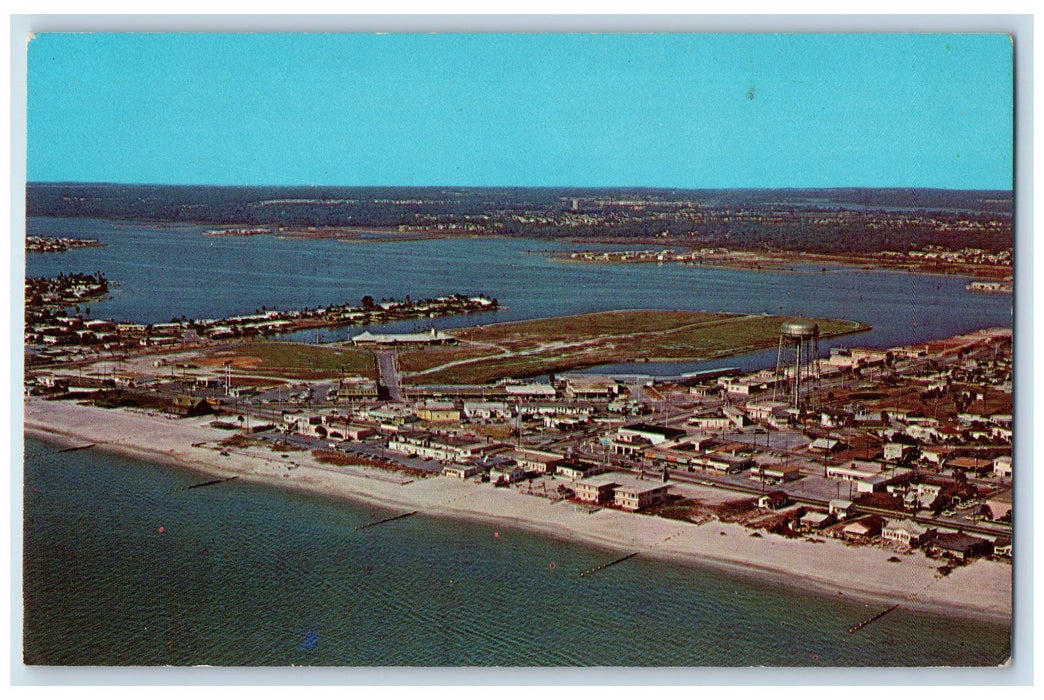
[{"x": 123, "y": 566}]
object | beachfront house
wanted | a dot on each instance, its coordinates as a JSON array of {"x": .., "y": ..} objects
[
  {"x": 815, "y": 520},
  {"x": 907, "y": 532},
  {"x": 622, "y": 490},
  {"x": 575, "y": 470},
  {"x": 635, "y": 494},
  {"x": 596, "y": 489},
  {"x": 460, "y": 471},
  {"x": 959, "y": 546},
  {"x": 505, "y": 473},
  {"x": 864, "y": 528},
  {"x": 188, "y": 406},
  {"x": 535, "y": 461}
]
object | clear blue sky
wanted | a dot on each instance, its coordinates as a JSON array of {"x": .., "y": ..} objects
[{"x": 567, "y": 109}]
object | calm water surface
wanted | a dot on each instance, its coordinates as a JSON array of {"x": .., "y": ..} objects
[
  {"x": 174, "y": 270},
  {"x": 253, "y": 575},
  {"x": 245, "y": 574}
]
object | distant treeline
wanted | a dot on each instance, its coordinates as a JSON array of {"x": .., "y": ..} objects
[{"x": 819, "y": 220}]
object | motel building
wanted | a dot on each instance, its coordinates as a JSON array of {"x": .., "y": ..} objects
[
  {"x": 632, "y": 440},
  {"x": 622, "y": 490},
  {"x": 536, "y": 461},
  {"x": 448, "y": 448},
  {"x": 775, "y": 473}
]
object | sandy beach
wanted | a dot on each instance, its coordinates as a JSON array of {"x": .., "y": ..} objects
[{"x": 981, "y": 590}]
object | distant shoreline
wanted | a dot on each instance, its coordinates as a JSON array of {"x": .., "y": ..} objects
[{"x": 830, "y": 568}]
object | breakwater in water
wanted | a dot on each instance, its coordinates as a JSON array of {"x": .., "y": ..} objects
[{"x": 124, "y": 565}]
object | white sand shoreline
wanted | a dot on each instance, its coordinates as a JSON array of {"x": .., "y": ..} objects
[{"x": 981, "y": 591}]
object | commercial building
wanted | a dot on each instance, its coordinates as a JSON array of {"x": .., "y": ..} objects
[
  {"x": 442, "y": 447},
  {"x": 775, "y": 473},
  {"x": 622, "y": 490},
  {"x": 432, "y": 337},
  {"x": 722, "y": 462},
  {"x": 591, "y": 387},
  {"x": 536, "y": 461}
]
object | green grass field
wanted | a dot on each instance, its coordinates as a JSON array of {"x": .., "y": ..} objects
[
  {"x": 299, "y": 360},
  {"x": 573, "y": 342}
]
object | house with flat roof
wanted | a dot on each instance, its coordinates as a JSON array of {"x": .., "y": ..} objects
[
  {"x": 545, "y": 391},
  {"x": 442, "y": 447},
  {"x": 852, "y": 471},
  {"x": 596, "y": 489},
  {"x": 775, "y": 473},
  {"x": 655, "y": 434},
  {"x": 723, "y": 462},
  {"x": 622, "y": 490},
  {"x": 575, "y": 470},
  {"x": 959, "y": 546},
  {"x": 591, "y": 387},
  {"x": 460, "y": 471},
  {"x": 635, "y": 494},
  {"x": 678, "y": 452},
  {"x": 536, "y": 461}
]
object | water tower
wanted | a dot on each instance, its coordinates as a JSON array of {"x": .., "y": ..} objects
[{"x": 797, "y": 364}]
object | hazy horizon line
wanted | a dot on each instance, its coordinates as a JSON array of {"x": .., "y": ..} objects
[{"x": 524, "y": 187}]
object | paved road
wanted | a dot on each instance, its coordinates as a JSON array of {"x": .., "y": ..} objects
[{"x": 388, "y": 378}]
